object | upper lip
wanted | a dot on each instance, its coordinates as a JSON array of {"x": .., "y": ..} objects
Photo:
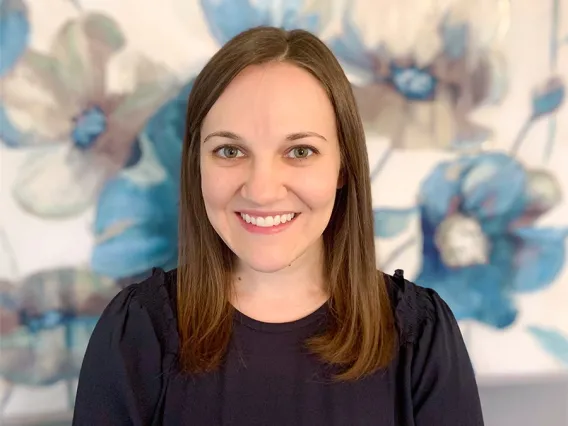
[{"x": 258, "y": 213}]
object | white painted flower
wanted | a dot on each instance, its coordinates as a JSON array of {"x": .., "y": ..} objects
[
  {"x": 85, "y": 103},
  {"x": 421, "y": 67}
]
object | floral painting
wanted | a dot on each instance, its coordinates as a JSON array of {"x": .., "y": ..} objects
[{"x": 464, "y": 108}]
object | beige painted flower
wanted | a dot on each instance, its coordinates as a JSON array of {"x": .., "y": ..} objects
[
  {"x": 81, "y": 107},
  {"x": 420, "y": 74}
]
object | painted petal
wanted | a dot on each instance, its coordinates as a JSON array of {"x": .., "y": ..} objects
[
  {"x": 9, "y": 135},
  {"x": 166, "y": 130},
  {"x": 73, "y": 292},
  {"x": 47, "y": 357},
  {"x": 498, "y": 83},
  {"x": 382, "y": 110},
  {"x": 552, "y": 341},
  {"x": 540, "y": 257},
  {"x": 428, "y": 43},
  {"x": 493, "y": 191},
  {"x": 350, "y": 49},
  {"x": 455, "y": 38},
  {"x": 14, "y": 33},
  {"x": 35, "y": 99},
  {"x": 475, "y": 292},
  {"x": 408, "y": 27},
  {"x": 475, "y": 83},
  {"x": 36, "y": 359},
  {"x": 292, "y": 14},
  {"x": 136, "y": 220},
  {"x": 8, "y": 289},
  {"x": 227, "y": 18},
  {"x": 152, "y": 87},
  {"x": 488, "y": 20},
  {"x": 543, "y": 193},
  {"x": 137, "y": 248},
  {"x": 58, "y": 182},
  {"x": 82, "y": 48},
  {"x": 470, "y": 27},
  {"x": 390, "y": 222},
  {"x": 429, "y": 125},
  {"x": 440, "y": 191}
]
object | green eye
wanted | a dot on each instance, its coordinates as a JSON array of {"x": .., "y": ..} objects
[
  {"x": 229, "y": 151},
  {"x": 301, "y": 152}
]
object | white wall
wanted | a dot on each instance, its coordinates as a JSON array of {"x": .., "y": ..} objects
[{"x": 525, "y": 405}]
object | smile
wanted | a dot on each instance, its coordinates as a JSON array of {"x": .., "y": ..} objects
[{"x": 266, "y": 224}]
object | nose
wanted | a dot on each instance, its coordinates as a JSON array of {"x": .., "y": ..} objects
[{"x": 264, "y": 183}]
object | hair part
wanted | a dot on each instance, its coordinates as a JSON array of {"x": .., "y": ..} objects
[{"x": 361, "y": 336}]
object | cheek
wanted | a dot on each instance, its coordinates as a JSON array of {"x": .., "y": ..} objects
[
  {"x": 214, "y": 187},
  {"x": 318, "y": 189},
  {"x": 219, "y": 186}
]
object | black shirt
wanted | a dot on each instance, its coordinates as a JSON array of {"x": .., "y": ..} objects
[{"x": 130, "y": 374}]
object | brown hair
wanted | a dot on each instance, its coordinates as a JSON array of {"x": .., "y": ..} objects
[{"x": 361, "y": 336}]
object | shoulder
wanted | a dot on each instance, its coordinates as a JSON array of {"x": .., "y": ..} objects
[
  {"x": 144, "y": 309},
  {"x": 440, "y": 378},
  {"x": 417, "y": 309},
  {"x": 157, "y": 292},
  {"x": 132, "y": 347}
]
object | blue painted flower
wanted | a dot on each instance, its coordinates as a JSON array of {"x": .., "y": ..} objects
[
  {"x": 416, "y": 83},
  {"x": 67, "y": 103},
  {"x": 227, "y": 18},
  {"x": 480, "y": 245}
]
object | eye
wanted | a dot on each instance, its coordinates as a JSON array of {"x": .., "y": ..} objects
[
  {"x": 228, "y": 151},
  {"x": 300, "y": 152}
]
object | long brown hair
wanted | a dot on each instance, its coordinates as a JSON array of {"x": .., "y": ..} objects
[{"x": 361, "y": 336}]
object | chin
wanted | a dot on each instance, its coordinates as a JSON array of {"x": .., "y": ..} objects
[{"x": 265, "y": 263}]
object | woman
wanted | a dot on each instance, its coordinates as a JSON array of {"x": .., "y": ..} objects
[{"x": 276, "y": 314}]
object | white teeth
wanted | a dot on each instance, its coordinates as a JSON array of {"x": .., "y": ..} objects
[{"x": 268, "y": 221}]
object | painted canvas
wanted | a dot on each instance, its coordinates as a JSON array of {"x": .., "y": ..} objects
[{"x": 463, "y": 105}]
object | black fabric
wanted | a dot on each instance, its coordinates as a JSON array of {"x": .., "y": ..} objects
[{"x": 130, "y": 375}]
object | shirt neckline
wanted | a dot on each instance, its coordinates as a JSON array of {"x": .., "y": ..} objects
[{"x": 280, "y": 327}]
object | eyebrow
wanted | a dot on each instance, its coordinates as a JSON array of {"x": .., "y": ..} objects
[{"x": 291, "y": 137}]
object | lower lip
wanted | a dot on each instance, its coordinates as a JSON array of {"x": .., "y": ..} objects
[{"x": 266, "y": 230}]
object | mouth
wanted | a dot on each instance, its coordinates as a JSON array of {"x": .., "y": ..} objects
[{"x": 266, "y": 223}]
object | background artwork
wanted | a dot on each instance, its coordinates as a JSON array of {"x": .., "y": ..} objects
[{"x": 464, "y": 99}]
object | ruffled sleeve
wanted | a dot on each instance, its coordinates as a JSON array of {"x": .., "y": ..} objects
[
  {"x": 442, "y": 380},
  {"x": 122, "y": 378}
]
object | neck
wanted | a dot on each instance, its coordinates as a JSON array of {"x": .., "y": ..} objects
[{"x": 285, "y": 295}]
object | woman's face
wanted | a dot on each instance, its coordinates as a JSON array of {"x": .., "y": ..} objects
[{"x": 270, "y": 165}]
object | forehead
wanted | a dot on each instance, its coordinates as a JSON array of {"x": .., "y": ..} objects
[{"x": 271, "y": 100}]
